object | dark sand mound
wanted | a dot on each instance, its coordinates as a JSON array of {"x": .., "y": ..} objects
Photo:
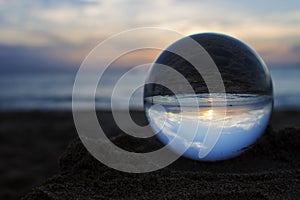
[
  {"x": 31, "y": 143},
  {"x": 270, "y": 170}
]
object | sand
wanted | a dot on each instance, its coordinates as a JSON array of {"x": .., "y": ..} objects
[{"x": 37, "y": 164}]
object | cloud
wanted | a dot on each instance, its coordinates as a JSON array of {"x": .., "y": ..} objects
[
  {"x": 296, "y": 49},
  {"x": 29, "y": 59},
  {"x": 282, "y": 54},
  {"x": 263, "y": 25}
]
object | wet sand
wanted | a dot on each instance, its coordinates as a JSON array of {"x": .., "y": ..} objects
[{"x": 38, "y": 162}]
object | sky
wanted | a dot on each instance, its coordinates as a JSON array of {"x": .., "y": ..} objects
[{"x": 54, "y": 35}]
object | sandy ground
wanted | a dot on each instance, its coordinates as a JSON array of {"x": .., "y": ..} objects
[{"x": 33, "y": 142}]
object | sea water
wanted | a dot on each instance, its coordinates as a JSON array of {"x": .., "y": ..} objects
[
  {"x": 241, "y": 119},
  {"x": 54, "y": 90}
]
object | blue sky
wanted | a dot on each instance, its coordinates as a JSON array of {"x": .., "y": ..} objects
[{"x": 58, "y": 34}]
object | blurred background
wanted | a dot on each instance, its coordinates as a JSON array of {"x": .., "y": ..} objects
[{"x": 43, "y": 43}]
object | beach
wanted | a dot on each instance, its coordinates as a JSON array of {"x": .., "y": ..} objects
[
  {"x": 214, "y": 86},
  {"x": 43, "y": 157}
]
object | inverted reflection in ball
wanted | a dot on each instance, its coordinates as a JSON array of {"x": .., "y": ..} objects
[{"x": 249, "y": 98}]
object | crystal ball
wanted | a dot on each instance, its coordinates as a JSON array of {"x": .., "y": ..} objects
[{"x": 223, "y": 123}]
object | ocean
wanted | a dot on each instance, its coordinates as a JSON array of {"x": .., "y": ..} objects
[{"x": 53, "y": 90}]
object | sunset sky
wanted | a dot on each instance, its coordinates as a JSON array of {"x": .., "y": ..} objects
[{"x": 49, "y": 34}]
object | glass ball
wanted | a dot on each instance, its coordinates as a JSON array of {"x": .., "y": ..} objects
[{"x": 247, "y": 98}]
